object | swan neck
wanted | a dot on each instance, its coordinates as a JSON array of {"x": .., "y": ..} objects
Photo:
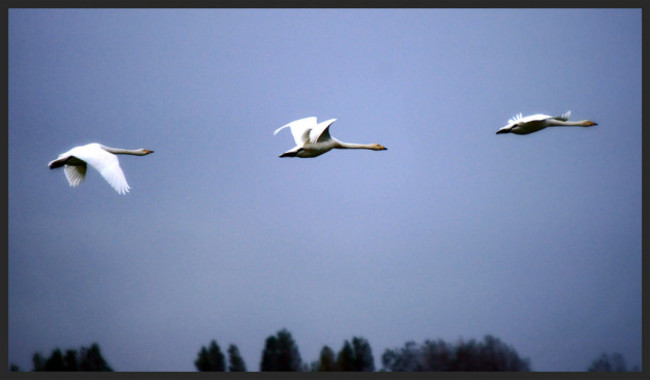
[
  {"x": 345, "y": 145},
  {"x": 560, "y": 123},
  {"x": 138, "y": 152}
]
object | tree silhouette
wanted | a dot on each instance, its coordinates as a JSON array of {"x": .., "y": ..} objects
[
  {"x": 363, "y": 359},
  {"x": 70, "y": 361},
  {"x": 91, "y": 359},
  {"x": 236, "y": 362},
  {"x": 88, "y": 359},
  {"x": 489, "y": 355},
  {"x": 55, "y": 361},
  {"x": 281, "y": 353},
  {"x": 606, "y": 363},
  {"x": 38, "y": 363},
  {"x": 410, "y": 358},
  {"x": 437, "y": 355},
  {"x": 345, "y": 358},
  {"x": 326, "y": 361},
  {"x": 210, "y": 359},
  {"x": 356, "y": 356}
]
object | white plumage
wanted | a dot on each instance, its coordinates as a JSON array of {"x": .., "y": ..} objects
[
  {"x": 529, "y": 124},
  {"x": 313, "y": 139},
  {"x": 100, "y": 157}
]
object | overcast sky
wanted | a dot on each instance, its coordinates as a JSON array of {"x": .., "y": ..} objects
[{"x": 453, "y": 232}]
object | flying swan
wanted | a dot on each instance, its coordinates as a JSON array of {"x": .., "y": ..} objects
[
  {"x": 100, "y": 157},
  {"x": 533, "y": 123},
  {"x": 313, "y": 139}
]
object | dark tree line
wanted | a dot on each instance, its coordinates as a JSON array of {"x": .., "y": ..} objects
[
  {"x": 281, "y": 353},
  {"x": 211, "y": 359},
  {"x": 86, "y": 359},
  {"x": 355, "y": 356},
  {"x": 613, "y": 363},
  {"x": 489, "y": 355}
]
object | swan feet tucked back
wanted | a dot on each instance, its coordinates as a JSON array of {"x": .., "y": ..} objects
[{"x": 100, "y": 157}]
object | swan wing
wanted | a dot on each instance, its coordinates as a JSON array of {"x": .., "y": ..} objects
[
  {"x": 520, "y": 120},
  {"x": 75, "y": 173},
  {"x": 564, "y": 117},
  {"x": 321, "y": 132},
  {"x": 515, "y": 119},
  {"x": 106, "y": 164},
  {"x": 531, "y": 118},
  {"x": 300, "y": 129},
  {"x": 511, "y": 123}
]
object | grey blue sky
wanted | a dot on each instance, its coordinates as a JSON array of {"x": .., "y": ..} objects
[{"x": 453, "y": 232}]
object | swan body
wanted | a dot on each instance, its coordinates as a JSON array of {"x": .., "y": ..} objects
[
  {"x": 533, "y": 123},
  {"x": 100, "y": 157},
  {"x": 313, "y": 139}
]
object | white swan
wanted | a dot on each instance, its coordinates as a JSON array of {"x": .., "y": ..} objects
[
  {"x": 99, "y": 157},
  {"x": 529, "y": 124},
  {"x": 313, "y": 139}
]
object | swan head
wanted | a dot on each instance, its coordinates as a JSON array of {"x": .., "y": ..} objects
[
  {"x": 145, "y": 151},
  {"x": 506, "y": 129}
]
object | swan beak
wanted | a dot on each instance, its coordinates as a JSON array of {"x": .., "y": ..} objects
[
  {"x": 592, "y": 123},
  {"x": 381, "y": 147},
  {"x": 148, "y": 151}
]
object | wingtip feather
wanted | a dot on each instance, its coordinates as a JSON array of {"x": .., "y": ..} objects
[{"x": 279, "y": 129}]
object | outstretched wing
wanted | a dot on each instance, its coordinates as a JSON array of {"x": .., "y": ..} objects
[
  {"x": 300, "y": 129},
  {"x": 106, "y": 164},
  {"x": 75, "y": 173},
  {"x": 564, "y": 117},
  {"x": 74, "y": 168},
  {"x": 515, "y": 119},
  {"x": 321, "y": 132}
]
